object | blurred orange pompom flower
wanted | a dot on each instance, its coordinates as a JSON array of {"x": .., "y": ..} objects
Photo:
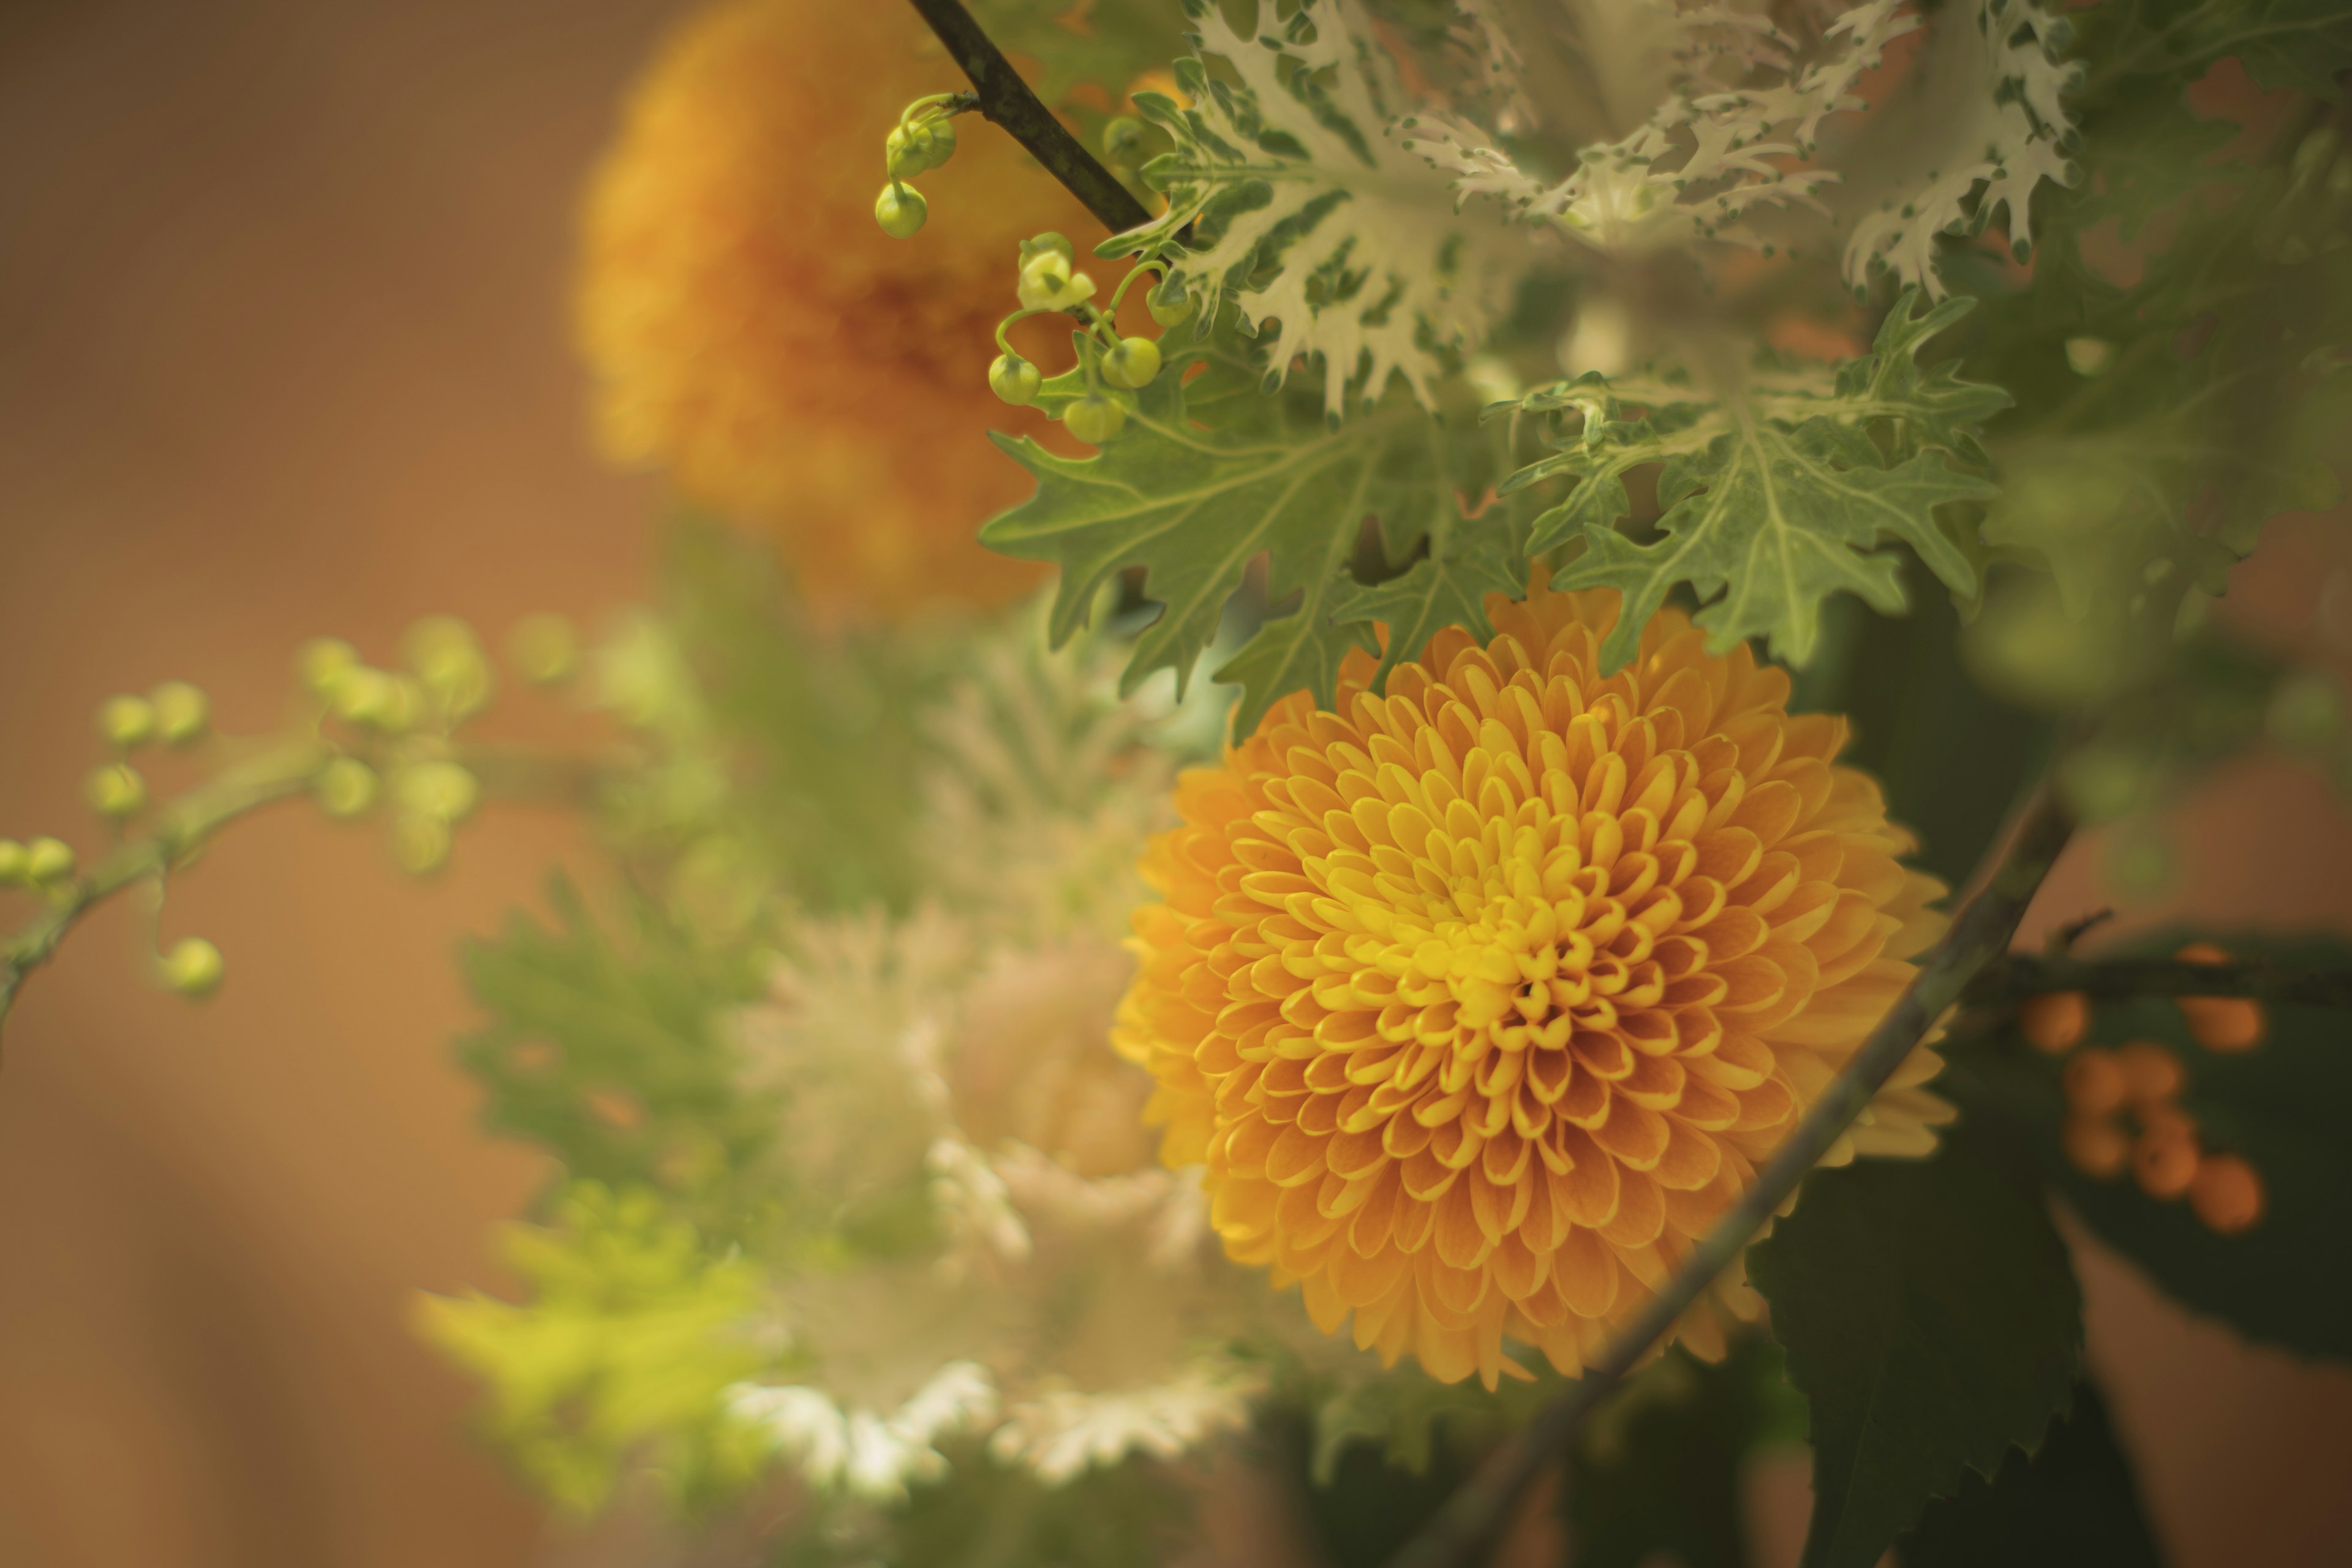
[
  {"x": 1482, "y": 1000},
  {"x": 751, "y": 332}
]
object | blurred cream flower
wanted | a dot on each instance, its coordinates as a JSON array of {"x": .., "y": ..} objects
[{"x": 981, "y": 1241}]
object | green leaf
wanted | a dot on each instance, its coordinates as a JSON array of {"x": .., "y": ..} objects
[
  {"x": 1931, "y": 1320},
  {"x": 2300, "y": 44},
  {"x": 2287, "y": 1280},
  {"x": 1952, "y": 758},
  {"x": 1194, "y": 503},
  {"x": 1659, "y": 1468},
  {"x": 2073, "y": 1503},
  {"x": 1774, "y": 496},
  {"x": 2200, "y": 402},
  {"x": 631, "y": 1336},
  {"x": 609, "y": 1055}
]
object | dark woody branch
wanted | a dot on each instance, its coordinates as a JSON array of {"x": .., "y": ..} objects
[{"x": 1005, "y": 101}]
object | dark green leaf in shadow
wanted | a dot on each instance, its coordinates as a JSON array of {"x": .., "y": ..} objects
[
  {"x": 2072, "y": 1505},
  {"x": 1931, "y": 1319}
]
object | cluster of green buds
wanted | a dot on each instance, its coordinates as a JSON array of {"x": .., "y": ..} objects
[
  {"x": 42, "y": 864},
  {"x": 397, "y": 725},
  {"x": 366, "y": 735},
  {"x": 174, "y": 714},
  {"x": 1108, "y": 365},
  {"x": 924, "y": 138}
]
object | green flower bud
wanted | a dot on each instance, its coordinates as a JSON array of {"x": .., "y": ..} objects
[
  {"x": 345, "y": 787},
  {"x": 126, "y": 721},
  {"x": 440, "y": 790},
  {"x": 942, "y": 132},
  {"x": 47, "y": 861},
  {"x": 1094, "y": 418},
  {"x": 901, "y": 159},
  {"x": 194, "y": 968},
  {"x": 419, "y": 844},
  {"x": 323, "y": 661},
  {"x": 1122, "y": 140},
  {"x": 114, "y": 791},
  {"x": 443, "y": 652},
  {"x": 1014, "y": 380},
  {"x": 1133, "y": 364},
  {"x": 361, "y": 696},
  {"x": 900, "y": 210},
  {"x": 1167, "y": 302},
  {"x": 542, "y": 649},
  {"x": 1049, "y": 284},
  {"x": 1037, "y": 245},
  {"x": 14, "y": 869},
  {"x": 183, "y": 712}
]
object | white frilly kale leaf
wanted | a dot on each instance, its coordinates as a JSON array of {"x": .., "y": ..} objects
[
  {"x": 1290, "y": 196},
  {"x": 1704, "y": 155},
  {"x": 1773, "y": 498},
  {"x": 1981, "y": 124}
]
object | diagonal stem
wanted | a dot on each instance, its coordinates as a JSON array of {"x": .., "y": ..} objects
[
  {"x": 1005, "y": 99},
  {"x": 1467, "y": 1531},
  {"x": 2022, "y": 975}
]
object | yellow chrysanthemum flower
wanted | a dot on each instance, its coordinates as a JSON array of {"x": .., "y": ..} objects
[
  {"x": 1482, "y": 1000},
  {"x": 753, "y": 334}
]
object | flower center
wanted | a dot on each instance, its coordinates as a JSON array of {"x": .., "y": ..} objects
[{"x": 1492, "y": 947}]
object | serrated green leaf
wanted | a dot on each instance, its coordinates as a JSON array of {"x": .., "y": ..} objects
[
  {"x": 1774, "y": 496},
  {"x": 1931, "y": 1320},
  {"x": 1468, "y": 559},
  {"x": 1194, "y": 505},
  {"x": 2073, "y": 1503}
]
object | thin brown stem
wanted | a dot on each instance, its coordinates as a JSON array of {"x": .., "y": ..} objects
[
  {"x": 2020, "y": 975},
  {"x": 180, "y": 829},
  {"x": 280, "y": 771},
  {"x": 1005, "y": 99},
  {"x": 1467, "y": 1530}
]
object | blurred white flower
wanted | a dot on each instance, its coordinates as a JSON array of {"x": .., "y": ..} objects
[{"x": 863, "y": 1453}]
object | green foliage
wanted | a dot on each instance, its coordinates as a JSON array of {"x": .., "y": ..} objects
[
  {"x": 2071, "y": 1504},
  {"x": 1106, "y": 44},
  {"x": 2297, "y": 44},
  {"x": 2210, "y": 405},
  {"x": 2288, "y": 1280},
  {"x": 1932, "y": 1321},
  {"x": 608, "y": 1052},
  {"x": 1207, "y": 477},
  {"x": 1659, "y": 1468},
  {"x": 777, "y": 756},
  {"x": 1773, "y": 496},
  {"x": 1410, "y": 1420},
  {"x": 1953, "y": 757},
  {"x": 632, "y": 1333}
]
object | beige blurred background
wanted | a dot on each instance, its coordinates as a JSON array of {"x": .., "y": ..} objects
[{"x": 282, "y": 353}]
